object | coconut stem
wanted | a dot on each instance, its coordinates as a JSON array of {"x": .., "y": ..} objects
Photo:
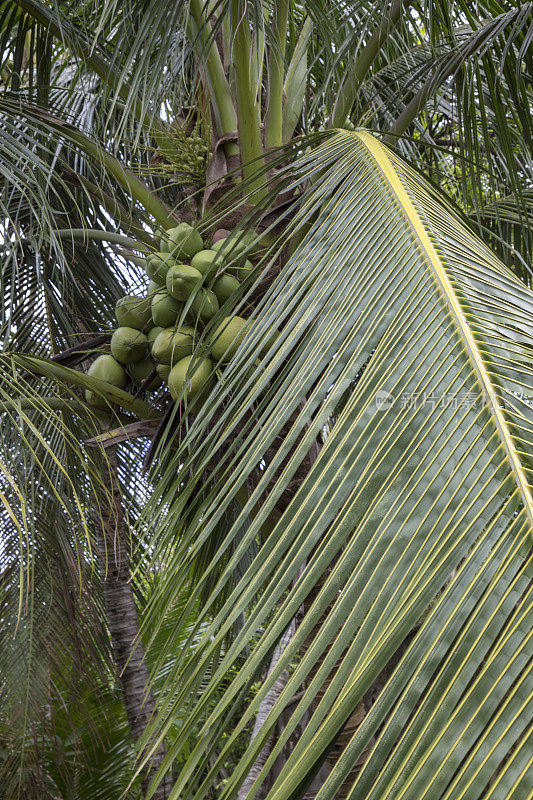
[
  {"x": 248, "y": 111},
  {"x": 219, "y": 90},
  {"x": 92, "y": 234},
  {"x": 276, "y": 62}
]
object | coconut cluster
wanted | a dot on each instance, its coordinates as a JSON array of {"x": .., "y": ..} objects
[{"x": 149, "y": 344}]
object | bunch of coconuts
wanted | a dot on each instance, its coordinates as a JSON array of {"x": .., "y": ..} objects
[{"x": 148, "y": 345}]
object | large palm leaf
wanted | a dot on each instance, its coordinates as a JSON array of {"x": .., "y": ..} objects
[
  {"x": 138, "y": 56},
  {"x": 414, "y": 522}
]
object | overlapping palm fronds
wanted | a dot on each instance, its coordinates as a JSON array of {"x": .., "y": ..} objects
[
  {"x": 405, "y": 354},
  {"x": 413, "y": 525}
]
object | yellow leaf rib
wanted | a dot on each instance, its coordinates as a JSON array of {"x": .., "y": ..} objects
[{"x": 380, "y": 155}]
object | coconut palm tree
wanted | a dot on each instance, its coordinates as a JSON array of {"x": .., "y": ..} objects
[{"x": 311, "y": 580}]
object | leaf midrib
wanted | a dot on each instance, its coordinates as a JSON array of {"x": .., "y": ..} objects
[{"x": 379, "y": 153}]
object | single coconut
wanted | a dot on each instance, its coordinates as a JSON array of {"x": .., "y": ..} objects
[
  {"x": 157, "y": 258},
  {"x": 249, "y": 241},
  {"x": 204, "y": 261},
  {"x": 231, "y": 251},
  {"x": 134, "y": 312},
  {"x": 157, "y": 266},
  {"x": 128, "y": 345},
  {"x": 163, "y": 370},
  {"x": 140, "y": 370},
  {"x": 182, "y": 280},
  {"x": 105, "y": 368},
  {"x": 153, "y": 286},
  {"x": 273, "y": 335},
  {"x": 164, "y": 244},
  {"x": 228, "y": 336},
  {"x": 165, "y": 309},
  {"x": 155, "y": 278},
  {"x": 152, "y": 335},
  {"x": 171, "y": 345},
  {"x": 225, "y": 287},
  {"x": 184, "y": 241},
  {"x": 241, "y": 271},
  {"x": 94, "y": 399},
  {"x": 221, "y": 233},
  {"x": 205, "y": 304},
  {"x": 198, "y": 380}
]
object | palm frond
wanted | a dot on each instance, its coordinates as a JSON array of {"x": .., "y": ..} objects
[{"x": 414, "y": 522}]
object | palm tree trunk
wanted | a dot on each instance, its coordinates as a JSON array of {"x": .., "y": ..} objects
[{"x": 122, "y": 618}]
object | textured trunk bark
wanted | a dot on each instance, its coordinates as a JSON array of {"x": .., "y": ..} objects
[{"x": 122, "y": 619}]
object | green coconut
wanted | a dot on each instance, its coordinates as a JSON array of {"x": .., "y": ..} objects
[
  {"x": 203, "y": 261},
  {"x": 171, "y": 345},
  {"x": 273, "y": 335},
  {"x": 134, "y": 312},
  {"x": 164, "y": 244},
  {"x": 153, "y": 286},
  {"x": 165, "y": 309},
  {"x": 105, "y": 368},
  {"x": 225, "y": 287},
  {"x": 157, "y": 266},
  {"x": 184, "y": 241},
  {"x": 163, "y": 370},
  {"x": 152, "y": 335},
  {"x": 154, "y": 277},
  {"x": 231, "y": 250},
  {"x": 228, "y": 336},
  {"x": 199, "y": 380},
  {"x": 241, "y": 271},
  {"x": 157, "y": 258},
  {"x": 182, "y": 280},
  {"x": 140, "y": 370},
  {"x": 205, "y": 304},
  {"x": 94, "y": 399},
  {"x": 128, "y": 345}
]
